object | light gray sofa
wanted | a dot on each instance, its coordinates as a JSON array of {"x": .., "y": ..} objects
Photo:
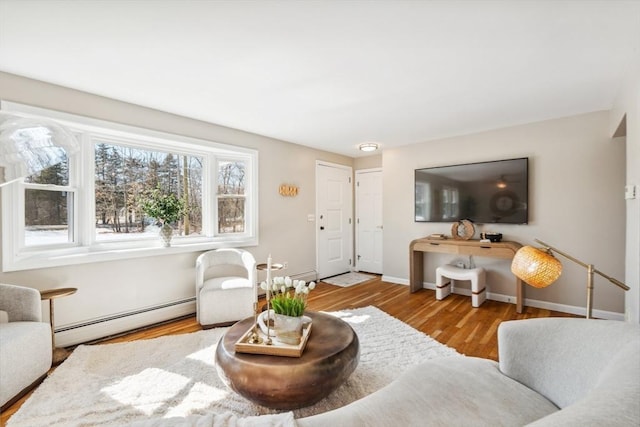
[
  {"x": 25, "y": 342},
  {"x": 552, "y": 372}
]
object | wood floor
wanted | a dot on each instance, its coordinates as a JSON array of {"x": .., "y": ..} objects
[{"x": 452, "y": 321}]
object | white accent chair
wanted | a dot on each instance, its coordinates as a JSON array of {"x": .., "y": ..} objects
[
  {"x": 226, "y": 281},
  {"x": 475, "y": 275}
]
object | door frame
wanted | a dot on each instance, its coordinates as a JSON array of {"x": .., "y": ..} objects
[{"x": 322, "y": 163}]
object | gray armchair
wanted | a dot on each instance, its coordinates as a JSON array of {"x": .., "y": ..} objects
[{"x": 25, "y": 342}]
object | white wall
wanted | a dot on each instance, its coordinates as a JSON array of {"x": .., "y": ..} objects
[
  {"x": 628, "y": 105},
  {"x": 367, "y": 162},
  {"x": 109, "y": 288},
  {"x": 576, "y": 176}
]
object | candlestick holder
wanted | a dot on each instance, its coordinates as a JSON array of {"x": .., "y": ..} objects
[
  {"x": 255, "y": 338},
  {"x": 269, "y": 267}
]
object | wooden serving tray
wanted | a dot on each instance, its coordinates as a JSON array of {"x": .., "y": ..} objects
[{"x": 276, "y": 348}]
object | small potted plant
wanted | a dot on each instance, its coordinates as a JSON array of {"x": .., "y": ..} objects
[
  {"x": 288, "y": 300},
  {"x": 165, "y": 208}
]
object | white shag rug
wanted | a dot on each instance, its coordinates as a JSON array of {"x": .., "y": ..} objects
[
  {"x": 348, "y": 279},
  {"x": 175, "y": 376}
]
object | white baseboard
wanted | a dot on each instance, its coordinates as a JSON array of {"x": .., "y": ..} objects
[
  {"x": 98, "y": 328},
  {"x": 545, "y": 305},
  {"x": 396, "y": 280}
]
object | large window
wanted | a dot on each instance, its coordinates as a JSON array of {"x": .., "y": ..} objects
[{"x": 89, "y": 207}]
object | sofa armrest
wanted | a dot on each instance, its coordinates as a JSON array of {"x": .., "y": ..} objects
[
  {"x": 20, "y": 303},
  {"x": 561, "y": 358}
]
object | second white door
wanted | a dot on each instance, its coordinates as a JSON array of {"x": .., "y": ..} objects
[{"x": 369, "y": 220}]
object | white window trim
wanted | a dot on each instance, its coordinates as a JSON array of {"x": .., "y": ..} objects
[{"x": 86, "y": 249}]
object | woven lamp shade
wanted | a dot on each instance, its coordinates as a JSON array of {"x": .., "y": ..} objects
[{"x": 536, "y": 267}]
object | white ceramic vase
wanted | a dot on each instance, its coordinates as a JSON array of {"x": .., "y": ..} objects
[{"x": 288, "y": 329}]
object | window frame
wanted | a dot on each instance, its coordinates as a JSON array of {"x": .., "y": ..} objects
[{"x": 85, "y": 249}]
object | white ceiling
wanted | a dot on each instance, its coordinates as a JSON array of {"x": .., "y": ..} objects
[{"x": 333, "y": 74}]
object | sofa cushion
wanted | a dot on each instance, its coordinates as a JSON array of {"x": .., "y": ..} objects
[
  {"x": 562, "y": 359},
  {"x": 25, "y": 355},
  {"x": 225, "y": 283},
  {"x": 615, "y": 399},
  {"x": 451, "y": 391}
]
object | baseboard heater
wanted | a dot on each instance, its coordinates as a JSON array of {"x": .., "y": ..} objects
[
  {"x": 98, "y": 328},
  {"x": 123, "y": 315}
]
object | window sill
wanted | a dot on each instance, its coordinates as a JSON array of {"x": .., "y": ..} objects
[{"x": 87, "y": 255}]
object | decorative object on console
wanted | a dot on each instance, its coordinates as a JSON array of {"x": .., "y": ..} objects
[
  {"x": 539, "y": 268},
  {"x": 28, "y": 146},
  {"x": 463, "y": 230},
  {"x": 490, "y": 236},
  {"x": 437, "y": 236}
]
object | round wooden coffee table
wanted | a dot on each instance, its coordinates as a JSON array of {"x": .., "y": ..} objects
[{"x": 331, "y": 355}]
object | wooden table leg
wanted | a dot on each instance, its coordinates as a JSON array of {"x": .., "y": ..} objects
[{"x": 416, "y": 268}]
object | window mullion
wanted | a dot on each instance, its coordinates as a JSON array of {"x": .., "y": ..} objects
[
  {"x": 209, "y": 196},
  {"x": 86, "y": 204}
]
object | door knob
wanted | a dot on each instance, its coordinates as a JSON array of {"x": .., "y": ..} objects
[{"x": 322, "y": 227}]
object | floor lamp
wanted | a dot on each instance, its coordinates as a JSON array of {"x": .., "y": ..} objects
[
  {"x": 539, "y": 268},
  {"x": 28, "y": 146}
]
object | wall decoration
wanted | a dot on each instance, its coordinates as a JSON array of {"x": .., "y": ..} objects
[{"x": 288, "y": 190}]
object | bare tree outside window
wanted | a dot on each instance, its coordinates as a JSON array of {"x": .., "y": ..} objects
[
  {"x": 47, "y": 206},
  {"x": 231, "y": 197},
  {"x": 123, "y": 175}
]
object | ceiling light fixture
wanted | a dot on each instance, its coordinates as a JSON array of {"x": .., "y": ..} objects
[{"x": 368, "y": 147}]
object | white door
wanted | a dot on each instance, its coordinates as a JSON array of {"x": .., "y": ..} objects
[
  {"x": 369, "y": 220},
  {"x": 334, "y": 223}
]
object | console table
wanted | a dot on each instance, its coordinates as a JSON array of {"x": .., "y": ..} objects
[{"x": 418, "y": 247}]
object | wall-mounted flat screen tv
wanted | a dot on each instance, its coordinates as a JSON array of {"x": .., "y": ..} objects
[{"x": 486, "y": 192}]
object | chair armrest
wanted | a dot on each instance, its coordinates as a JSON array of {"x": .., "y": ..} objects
[
  {"x": 250, "y": 264},
  {"x": 202, "y": 264},
  {"x": 21, "y": 303}
]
